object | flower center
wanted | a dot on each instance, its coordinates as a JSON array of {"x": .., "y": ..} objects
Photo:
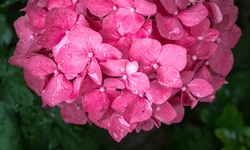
[
  {"x": 194, "y": 57},
  {"x": 218, "y": 40},
  {"x": 184, "y": 88},
  {"x": 200, "y": 38},
  {"x": 132, "y": 9},
  {"x": 102, "y": 89},
  {"x": 114, "y": 7},
  {"x": 124, "y": 77},
  {"x": 207, "y": 63},
  {"x": 90, "y": 54},
  {"x": 155, "y": 66}
]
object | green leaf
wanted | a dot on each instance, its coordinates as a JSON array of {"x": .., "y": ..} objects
[
  {"x": 230, "y": 118},
  {"x": 5, "y": 32},
  {"x": 6, "y": 3},
  {"x": 9, "y": 129}
]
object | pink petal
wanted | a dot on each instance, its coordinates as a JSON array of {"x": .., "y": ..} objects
[
  {"x": 230, "y": 15},
  {"x": 72, "y": 59},
  {"x": 100, "y": 8},
  {"x": 51, "y": 37},
  {"x": 40, "y": 65},
  {"x": 215, "y": 80},
  {"x": 158, "y": 93},
  {"x": 206, "y": 50},
  {"x": 193, "y": 15},
  {"x": 130, "y": 23},
  {"x": 186, "y": 77},
  {"x": 169, "y": 27},
  {"x": 94, "y": 71},
  {"x": 94, "y": 101},
  {"x": 169, "y": 5},
  {"x": 214, "y": 12},
  {"x": 118, "y": 127},
  {"x": 169, "y": 76},
  {"x": 36, "y": 83},
  {"x": 113, "y": 83},
  {"x": 201, "y": 28},
  {"x": 140, "y": 110},
  {"x": 175, "y": 102},
  {"x": 145, "y": 51},
  {"x": 211, "y": 35},
  {"x": 63, "y": 18},
  {"x": 187, "y": 99},
  {"x": 121, "y": 103},
  {"x": 57, "y": 90},
  {"x": 182, "y": 4},
  {"x": 105, "y": 51},
  {"x": 144, "y": 8},
  {"x": 137, "y": 83},
  {"x": 84, "y": 37},
  {"x": 173, "y": 55},
  {"x": 114, "y": 67},
  {"x": 88, "y": 85},
  {"x": 200, "y": 87},
  {"x": 20, "y": 60},
  {"x": 221, "y": 61},
  {"x": 230, "y": 37},
  {"x": 123, "y": 3},
  {"x": 165, "y": 112},
  {"x": 77, "y": 85},
  {"x": 73, "y": 113}
]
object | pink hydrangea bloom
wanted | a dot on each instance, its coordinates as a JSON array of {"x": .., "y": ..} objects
[{"x": 125, "y": 65}]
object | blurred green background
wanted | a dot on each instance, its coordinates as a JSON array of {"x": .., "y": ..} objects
[{"x": 24, "y": 125}]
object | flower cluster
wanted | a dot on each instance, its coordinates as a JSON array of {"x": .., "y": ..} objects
[{"x": 125, "y": 65}]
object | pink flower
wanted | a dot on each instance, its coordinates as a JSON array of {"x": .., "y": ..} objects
[
  {"x": 125, "y": 65},
  {"x": 135, "y": 81},
  {"x": 152, "y": 57}
]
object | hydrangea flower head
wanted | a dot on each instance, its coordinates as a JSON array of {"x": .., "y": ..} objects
[{"x": 125, "y": 65}]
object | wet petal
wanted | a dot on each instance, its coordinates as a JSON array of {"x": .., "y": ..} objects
[
  {"x": 57, "y": 90},
  {"x": 94, "y": 71},
  {"x": 105, "y": 51},
  {"x": 114, "y": 67},
  {"x": 40, "y": 65},
  {"x": 165, "y": 112},
  {"x": 138, "y": 111},
  {"x": 173, "y": 55},
  {"x": 169, "y": 76},
  {"x": 169, "y": 27},
  {"x": 193, "y": 15},
  {"x": 200, "y": 87},
  {"x": 72, "y": 59},
  {"x": 158, "y": 93},
  {"x": 100, "y": 8},
  {"x": 94, "y": 101},
  {"x": 137, "y": 82}
]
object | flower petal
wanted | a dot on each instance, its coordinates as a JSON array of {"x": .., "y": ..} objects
[
  {"x": 173, "y": 55},
  {"x": 200, "y": 88},
  {"x": 57, "y": 90},
  {"x": 63, "y": 18},
  {"x": 193, "y": 15},
  {"x": 40, "y": 65},
  {"x": 72, "y": 59},
  {"x": 165, "y": 112},
  {"x": 121, "y": 103},
  {"x": 94, "y": 71},
  {"x": 137, "y": 83},
  {"x": 105, "y": 51},
  {"x": 94, "y": 101},
  {"x": 169, "y": 76},
  {"x": 158, "y": 93},
  {"x": 100, "y": 8},
  {"x": 144, "y": 8},
  {"x": 221, "y": 61},
  {"x": 138, "y": 111},
  {"x": 169, "y": 27},
  {"x": 114, "y": 67}
]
